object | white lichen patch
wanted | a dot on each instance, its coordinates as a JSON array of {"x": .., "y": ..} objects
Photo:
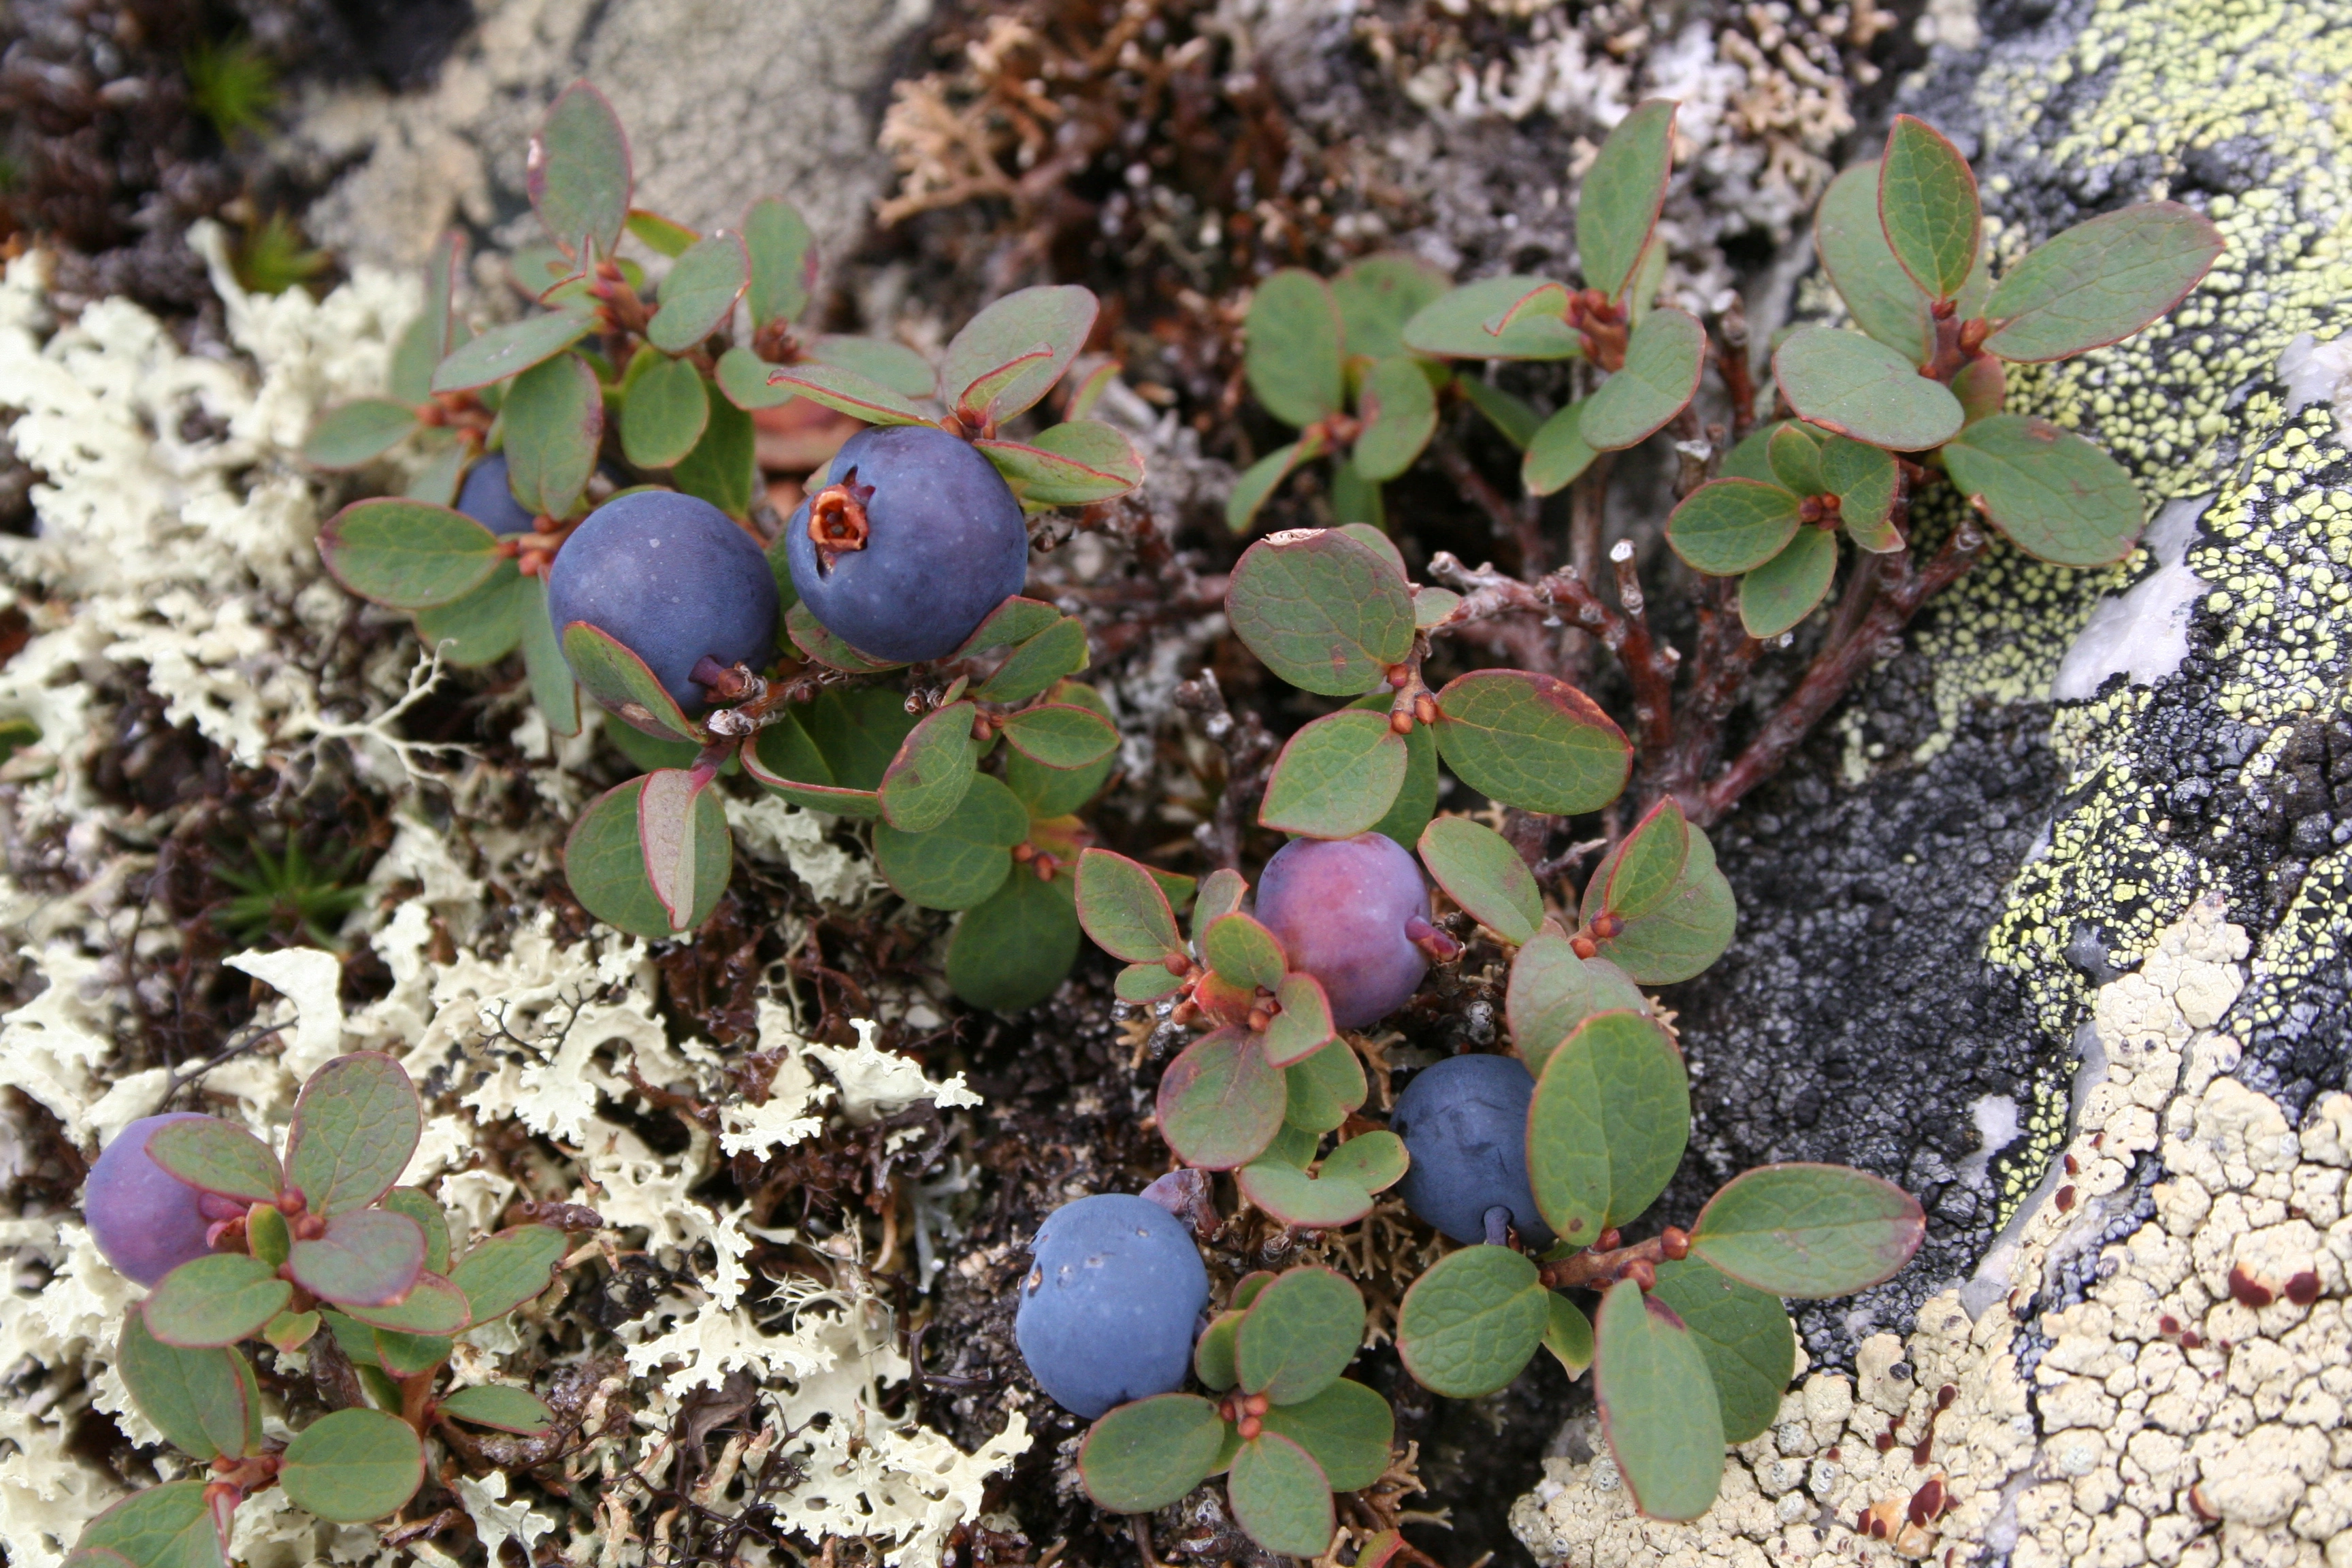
[{"x": 2160, "y": 1418}]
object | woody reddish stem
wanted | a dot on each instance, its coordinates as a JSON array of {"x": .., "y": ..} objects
[
  {"x": 1836, "y": 668},
  {"x": 1598, "y": 1267}
]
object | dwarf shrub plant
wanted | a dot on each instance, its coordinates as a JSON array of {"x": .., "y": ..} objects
[
  {"x": 877, "y": 661},
  {"x": 322, "y": 1254}
]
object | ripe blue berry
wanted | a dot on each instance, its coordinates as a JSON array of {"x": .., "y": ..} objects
[
  {"x": 671, "y": 579},
  {"x": 488, "y": 500},
  {"x": 144, "y": 1219},
  {"x": 915, "y": 540},
  {"x": 1465, "y": 1123},
  {"x": 1342, "y": 907},
  {"x": 1111, "y": 1303}
]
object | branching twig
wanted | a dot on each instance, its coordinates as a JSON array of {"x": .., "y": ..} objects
[{"x": 1249, "y": 753}]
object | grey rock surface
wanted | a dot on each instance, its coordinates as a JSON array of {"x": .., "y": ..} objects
[{"x": 720, "y": 98}]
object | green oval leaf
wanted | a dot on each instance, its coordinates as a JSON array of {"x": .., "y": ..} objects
[
  {"x": 499, "y": 1407},
  {"x": 1927, "y": 203},
  {"x": 1377, "y": 294},
  {"x": 1015, "y": 622},
  {"x": 660, "y": 234},
  {"x": 1400, "y": 413},
  {"x": 1853, "y": 246},
  {"x": 622, "y": 685},
  {"x": 1751, "y": 459},
  {"x": 667, "y": 411},
  {"x": 1221, "y": 1102},
  {"x": 859, "y": 397},
  {"x": 1039, "y": 661},
  {"x": 1281, "y": 1497},
  {"x": 1340, "y": 1194},
  {"x": 894, "y": 365},
  {"x": 368, "y": 1258},
  {"x": 215, "y": 1301},
  {"x": 1483, "y": 321},
  {"x": 578, "y": 172},
  {"x": 1012, "y": 354},
  {"x": 1750, "y": 1350},
  {"x": 1531, "y": 740},
  {"x": 1293, "y": 354},
  {"x": 553, "y": 688},
  {"x": 1262, "y": 478},
  {"x": 1663, "y": 362},
  {"x": 1322, "y": 1089},
  {"x": 721, "y": 470},
  {"x": 783, "y": 260},
  {"x": 266, "y": 1234},
  {"x": 963, "y": 860},
  {"x": 700, "y": 292},
  {"x": 1145, "y": 1455},
  {"x": 1011, "y": 950},
  {"x": 1558, "y": 451},
  {"x": 219, "y": 1157},
  {"x": 1681, "y": 936},
  {"x": 405, "y": 554},
  {"x": 1302, "y": 1020},
  {"x": 1480, "y": 871},
  {"x": 511, "y": 349},
  {"x": 1640, "y": 875},
  {"x": 1657, "y": 1405},
  {"x": 1416, "y": 798},
  {"x": 501, "y": 1272},
  {"x": 352, "y": 434},
  {"x": 1347, "y": 1429},
  {"x": 1552, "y": 991},
  {"x": 1335, "y": 776},
  {"x": 1777, "y": 595},
  {"x": 1074, "y": 463},
  {"x": 353, "y": 1466},
  {"x": 742, "y": 377},
  {"x": 197, "y": 1398},
  {"x": 811, "y": 636},
  {"x": 1863, "y": 479},
  {"x": 1468, "y": 1326},
  {"x": 604, "y": 864},
  {"x": 1608, "y": 1125},
  {"x": 1623, "y": 192},
  {"x": 1809, "y": 1231},
  {"x": 432, "y": 1308},
  {"x": 1244, "y": 954},
  {"x": 784, "y": 759},
  {"x": 554, "y": 415},
  {"x": 1212, "y": 1355},
  {"x": 1568, "y": 1334},
  {"x": 1323, "y": 611},
  {"x": 1122, "y": 909},
  {"x": 1794, "y": 456},
  {"x": 1856, "y": 387},
  {"x": 1301, "y": 1332},
  {"x": 2100, "y": 282},
  {"x": 1060, "y": 735},
  {"x": 169, "y": 1526},
  {"x": 1513, "y": 416},
  {"x": 1726, "y": 527},
  {"x": 928, "y": 778},
  {"x": 355, "y": 1124},
  {"x": 2055, "y": 495},
  {"x": 407, "y": 1355}
]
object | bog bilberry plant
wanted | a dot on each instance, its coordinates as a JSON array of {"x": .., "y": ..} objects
[
  {"x": 321, "y": 1253},
  {"x": 867, "y": 662},
  {"x": 598, "y": 456}
]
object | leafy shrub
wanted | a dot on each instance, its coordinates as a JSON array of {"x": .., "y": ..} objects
[
  {"x": 607, "y": 405},
  {"x": 323, "y": 1251}
]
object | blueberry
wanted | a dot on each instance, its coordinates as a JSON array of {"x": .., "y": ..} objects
[
  {"x": 922, "y": 540},
  {"x": 1465, "y": 1122},
  {"x": 1342, "y": 907},
  {"x": 144, "y": 1219},
  {"x": 1111, "y": 1302},
  {"x": 671, "y": 579},
  {"x": 488, "y": 500}
]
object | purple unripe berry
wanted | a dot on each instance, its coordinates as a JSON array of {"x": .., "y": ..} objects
[
  {"x": 924, "y": 540},
  {"x": 488, "y": 499},
  {"x": 144, "y": 1219},
  {"x": 1111, "y": 1303},
  {"x": 1341, "y": 907},
  {"x": 1465, "y": 1123},
  {"x": 673, "y": 581}
]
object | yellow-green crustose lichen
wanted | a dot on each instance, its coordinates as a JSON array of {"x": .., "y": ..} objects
[{"x": 2192, "y": 407}]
